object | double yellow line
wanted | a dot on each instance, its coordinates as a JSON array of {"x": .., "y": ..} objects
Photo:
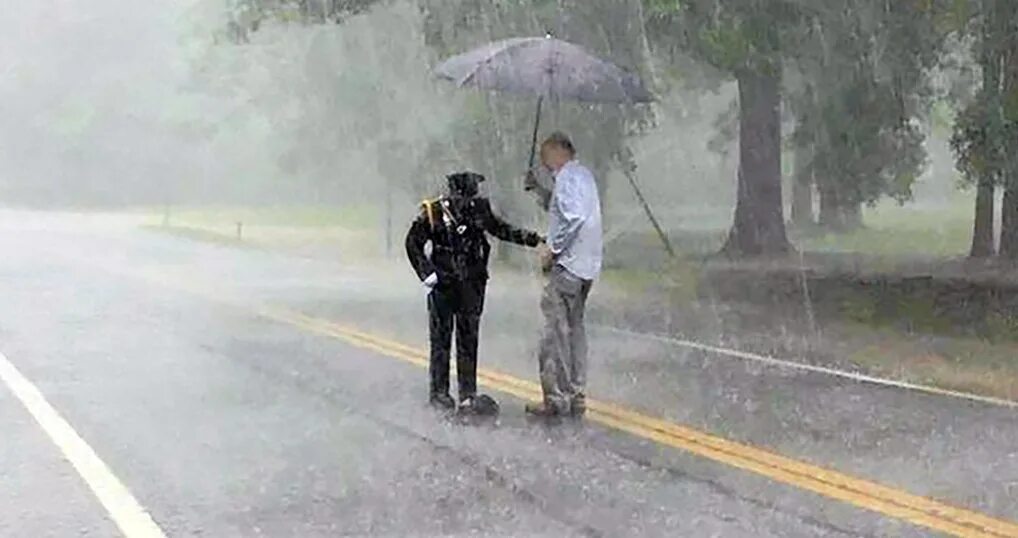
[
  {"x": 835, "y": 485},
  {"x": 891, "y": 502}
]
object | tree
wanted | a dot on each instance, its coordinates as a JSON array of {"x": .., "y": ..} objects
[
  {"x": 492, "y": 133},
  {"x": 1009, "y": 136},
  {"x": 746, "y": 39},
  {"x": 246, "y": 16},
  {"x": 978, "y": 130},
  {"x": 861, "y": 85}
]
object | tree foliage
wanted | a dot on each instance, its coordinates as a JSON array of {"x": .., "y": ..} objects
[
  {"x": 864, "y": 88},
  {"x": 987, "y": 125}
]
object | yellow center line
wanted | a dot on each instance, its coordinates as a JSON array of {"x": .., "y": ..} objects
[{"x": 922, "y": 511}]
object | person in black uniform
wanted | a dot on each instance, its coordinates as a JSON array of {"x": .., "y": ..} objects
[{"x": 456, "y": 276}]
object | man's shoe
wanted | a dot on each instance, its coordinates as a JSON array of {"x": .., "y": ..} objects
[
  {"x": 442, "y": 401},
  {"x": 541, "y": 409},
  {"x": 578, "y": 407}
]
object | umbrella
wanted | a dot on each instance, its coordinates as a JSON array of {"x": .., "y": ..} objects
[
  {"x": 545, "y": 67},
  {"x": 549, "y": 68}
]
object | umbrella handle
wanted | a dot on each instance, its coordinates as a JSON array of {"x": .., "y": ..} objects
[{"x": 533, "y": 140}]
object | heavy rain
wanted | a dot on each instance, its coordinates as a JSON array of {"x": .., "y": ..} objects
[{"x": 316, "y": 268}]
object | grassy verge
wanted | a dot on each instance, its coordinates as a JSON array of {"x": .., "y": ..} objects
[
  {"x": 197, "y": 234},
  {"x": 329, "y": 232},
  {"x": 892, "y": 231},
  {"x": 357, "y": 217},
  {"x": 980, "y": 365},
  {"x": 965, "y": 364},
  {"x": 679, "y": 281}
]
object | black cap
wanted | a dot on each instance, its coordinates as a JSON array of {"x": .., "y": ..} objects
[{"x": 464, "y": 183}]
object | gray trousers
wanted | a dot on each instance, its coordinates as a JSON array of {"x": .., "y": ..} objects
[{"x": 562, "y": 357}]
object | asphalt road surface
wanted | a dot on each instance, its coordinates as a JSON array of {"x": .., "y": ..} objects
[{"x": 154, "y": 386}]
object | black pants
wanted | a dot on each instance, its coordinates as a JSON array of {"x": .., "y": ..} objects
[{"x": 455, "y": 306}]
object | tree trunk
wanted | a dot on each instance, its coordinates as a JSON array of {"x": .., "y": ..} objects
[
  {"x": 831, "y": 216},
  {"x": 1009, "y": 209},
  {"x": 802, "y": 188},
  {"x": 851, "y": 216},
  {"x": 1009, "y": 222},
  {"x": 759, "y": 225},
  {"x": 982, "y": 231}
]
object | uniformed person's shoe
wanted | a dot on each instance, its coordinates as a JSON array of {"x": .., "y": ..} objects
[
  {"x": 442, "y": 401},
  {"x": 466, "y": 405},
  {"x": 480, "y": 405}
]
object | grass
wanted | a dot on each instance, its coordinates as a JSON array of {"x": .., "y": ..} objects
[
  {"x": 197, "y": 234},
  {"x": 891, "y": 234},
  {"x": 964, "y": 364},
  {"x": 892, "y": 231},
  {"x": 353, "y": 217},
  {"x": 900, "y": 344},
  {"x": 680, "y": 280},
  {"x": 306, "y": 230}
]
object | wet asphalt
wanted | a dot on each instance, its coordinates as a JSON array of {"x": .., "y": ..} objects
[{"x": 222, "y": 423}]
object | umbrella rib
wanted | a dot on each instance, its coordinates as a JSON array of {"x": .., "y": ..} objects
[
  {"x": 504, "y": 45},
  {"x": 507, "y": 44},
  {"x": 475, "y": 68}
]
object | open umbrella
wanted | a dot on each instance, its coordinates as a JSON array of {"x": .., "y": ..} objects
[
  {"x": 548, "y": 68},
  {"x": 545, "y": 67}
]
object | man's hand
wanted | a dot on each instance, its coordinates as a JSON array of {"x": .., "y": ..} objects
[
  {"x": 530, "y": 181},
  {"x": 546, "y": 257}
]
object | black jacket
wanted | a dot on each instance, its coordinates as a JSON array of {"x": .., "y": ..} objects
[{"x": 456, "y": 227}]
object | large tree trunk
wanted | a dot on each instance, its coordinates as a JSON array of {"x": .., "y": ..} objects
[
  {"x": 1009, "y": 221},
  {"x": 802, "y": 188},
  {"x": 759, "y": 225},
  {"x": 1009, "y": 210},
  {"x": 982, "y": 230}
]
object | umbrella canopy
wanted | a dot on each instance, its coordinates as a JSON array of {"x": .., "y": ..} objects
[{"x": 545, "y": 67}]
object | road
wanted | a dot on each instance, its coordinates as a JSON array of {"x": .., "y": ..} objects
[{"x": 154, "y": 386}]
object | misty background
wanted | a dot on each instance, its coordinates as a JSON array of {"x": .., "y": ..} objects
[{"x": 119, "y": 104}]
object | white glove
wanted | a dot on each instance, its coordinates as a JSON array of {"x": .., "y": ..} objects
[{"x": 430, "y": 282}]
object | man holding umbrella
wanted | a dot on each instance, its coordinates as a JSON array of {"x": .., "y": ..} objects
[{"x": 571, "y": 260}]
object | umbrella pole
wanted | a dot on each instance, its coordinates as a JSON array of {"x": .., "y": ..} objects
[
  {"x": 533, "y": 139},
  {"x": 650, "y": 215}
]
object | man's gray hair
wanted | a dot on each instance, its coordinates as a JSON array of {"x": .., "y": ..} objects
[{"x": 560, "y": 140}]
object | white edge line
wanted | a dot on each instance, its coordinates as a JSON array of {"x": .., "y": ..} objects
[
  {"x": 127, "y": 513},
  {"x": 773, "y": 361}
]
